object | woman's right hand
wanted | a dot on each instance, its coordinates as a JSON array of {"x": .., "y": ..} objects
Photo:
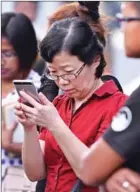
[
  {"x": 123, "y": 180},
  {"x": 26, "y": 122}
]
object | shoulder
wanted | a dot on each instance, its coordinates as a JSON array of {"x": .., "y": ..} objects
[
  {"x": 134, "y": 98},
  {"x": 120, "y": 98}
]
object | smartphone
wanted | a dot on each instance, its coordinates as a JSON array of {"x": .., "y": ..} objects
[{"x": 28, "y": 87}]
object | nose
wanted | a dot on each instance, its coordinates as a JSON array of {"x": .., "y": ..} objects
[{"x": 62, "y": 81}]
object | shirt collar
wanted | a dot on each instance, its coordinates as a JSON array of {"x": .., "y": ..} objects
[{"x": 108, "y": 88}]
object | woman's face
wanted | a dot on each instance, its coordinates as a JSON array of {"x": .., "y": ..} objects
[
  {"x": 66, "y": 64},
  {"x": 9, "y": 62}
]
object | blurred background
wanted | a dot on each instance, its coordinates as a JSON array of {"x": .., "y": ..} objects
[{"x": 125, "y": 69}]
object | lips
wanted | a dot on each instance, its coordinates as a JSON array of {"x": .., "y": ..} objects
[
  {"x": 69, "y": 90},
  {"x": 4, "y": 71}
]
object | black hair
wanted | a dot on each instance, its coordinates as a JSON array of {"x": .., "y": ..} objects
[
  {"x": 18, "y": 29},
  {"x": 74, "y": 36},
  {"x": 93, "y": 8}
]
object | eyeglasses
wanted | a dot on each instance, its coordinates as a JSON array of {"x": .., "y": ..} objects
[
  {"x": 8, "y": 54},
  {"x": 67, "y": 77},
  {"x": 121, "y": 18}
]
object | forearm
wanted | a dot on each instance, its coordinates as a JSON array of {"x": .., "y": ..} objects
[
  {"x": 33, "y": 158},
  {"x": 91, "y": 165},
  {"x": 71, "y": 146}
]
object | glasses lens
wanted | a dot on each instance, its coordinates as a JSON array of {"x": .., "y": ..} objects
[
  {"x": 8, "y": 54},
  {"x": 69, "y": 77}
]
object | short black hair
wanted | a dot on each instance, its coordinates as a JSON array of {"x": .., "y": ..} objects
[
  {"x": 18, "y": 29},
  {"x": 74, "y": 36}
]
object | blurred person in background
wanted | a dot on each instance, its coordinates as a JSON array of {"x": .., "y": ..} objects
[
  {"x": 125, "y": 179},
  {"x": 18, "y": 53},
  {"x": 75, "y": 61},
  {"x": 30, "y": 9}
]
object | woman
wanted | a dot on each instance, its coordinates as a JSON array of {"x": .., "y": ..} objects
[
  {"x": 75, "y": 61},
  {"x": 18, "y": 51}
]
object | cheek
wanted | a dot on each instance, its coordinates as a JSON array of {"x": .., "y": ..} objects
[
  {"x": 14, "y": 65},
  {"x": 132, "y": 41},
  {"x": 82, "y": 82}
]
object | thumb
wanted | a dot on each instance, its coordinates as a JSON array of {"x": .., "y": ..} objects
[
  {"x": 43, "y": 99},
  {"x": 14, "y": 125}
]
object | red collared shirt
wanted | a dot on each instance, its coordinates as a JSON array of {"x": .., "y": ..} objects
[{"x": 88, "y": 123}]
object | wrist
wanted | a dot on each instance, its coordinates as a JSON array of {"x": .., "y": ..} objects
[
  {"x": 29, "y": 128},
  {"x": 57, "y": 126}
]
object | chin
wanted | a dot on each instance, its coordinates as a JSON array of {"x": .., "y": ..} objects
[{"x": 133, "y": 53}]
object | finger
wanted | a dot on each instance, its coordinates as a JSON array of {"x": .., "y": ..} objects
[
  {"x": 19, "y": 113},
  {"x": 17, "y": 106},
  {"x": 21, "y": 120},
  {"x": 21, "y": 100},
  {"x": 117, "y": 187},
  {"x": 43, "y": 99},
  {"x": 134, "y": 179},
  {"x": 29, "y": 115},
  {"x": 130, "y": 188},
  {"x": 27, "y": 109},
  {"x": 113, "y": 187},
  {"x": 31, "y": 100}
]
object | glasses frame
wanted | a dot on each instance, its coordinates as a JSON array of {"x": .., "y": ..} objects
[
  {"x": 76, "y": 74},
  {"x": 121, "y": 18},
  {"x": 11, "y": 55}
]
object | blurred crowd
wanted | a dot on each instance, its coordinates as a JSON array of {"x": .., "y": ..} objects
[{"x": 59, "y": 147}]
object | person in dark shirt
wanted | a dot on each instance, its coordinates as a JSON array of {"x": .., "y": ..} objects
[{"x": 126, "y": 141}]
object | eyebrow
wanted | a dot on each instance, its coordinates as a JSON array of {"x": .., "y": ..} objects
[
  {"x": 61, "y": 67},
  {"x": 66, "y": 66}
]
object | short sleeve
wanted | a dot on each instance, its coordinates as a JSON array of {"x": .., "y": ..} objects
[{"x": 124, "y": 133}]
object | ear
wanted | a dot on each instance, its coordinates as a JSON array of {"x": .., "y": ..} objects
[{"x": 96, "y": 61}]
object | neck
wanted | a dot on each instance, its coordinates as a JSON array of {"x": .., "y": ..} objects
[{"x": 78, "y": 102}]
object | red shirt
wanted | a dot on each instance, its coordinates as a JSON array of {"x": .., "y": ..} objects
[{"x": 88, "y": 123}]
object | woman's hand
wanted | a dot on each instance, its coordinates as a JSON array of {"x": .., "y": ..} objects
[
  {"x": 22, "y": 118},
  {"x": 43, "y": 114},
  {"x": 123, "y": 180},
  {"x": 7, "y": 134}
]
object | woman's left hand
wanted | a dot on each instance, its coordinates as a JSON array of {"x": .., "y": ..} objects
[
  {"x": 123, "y": 180},
  {"x": 43, "y": 114}
]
